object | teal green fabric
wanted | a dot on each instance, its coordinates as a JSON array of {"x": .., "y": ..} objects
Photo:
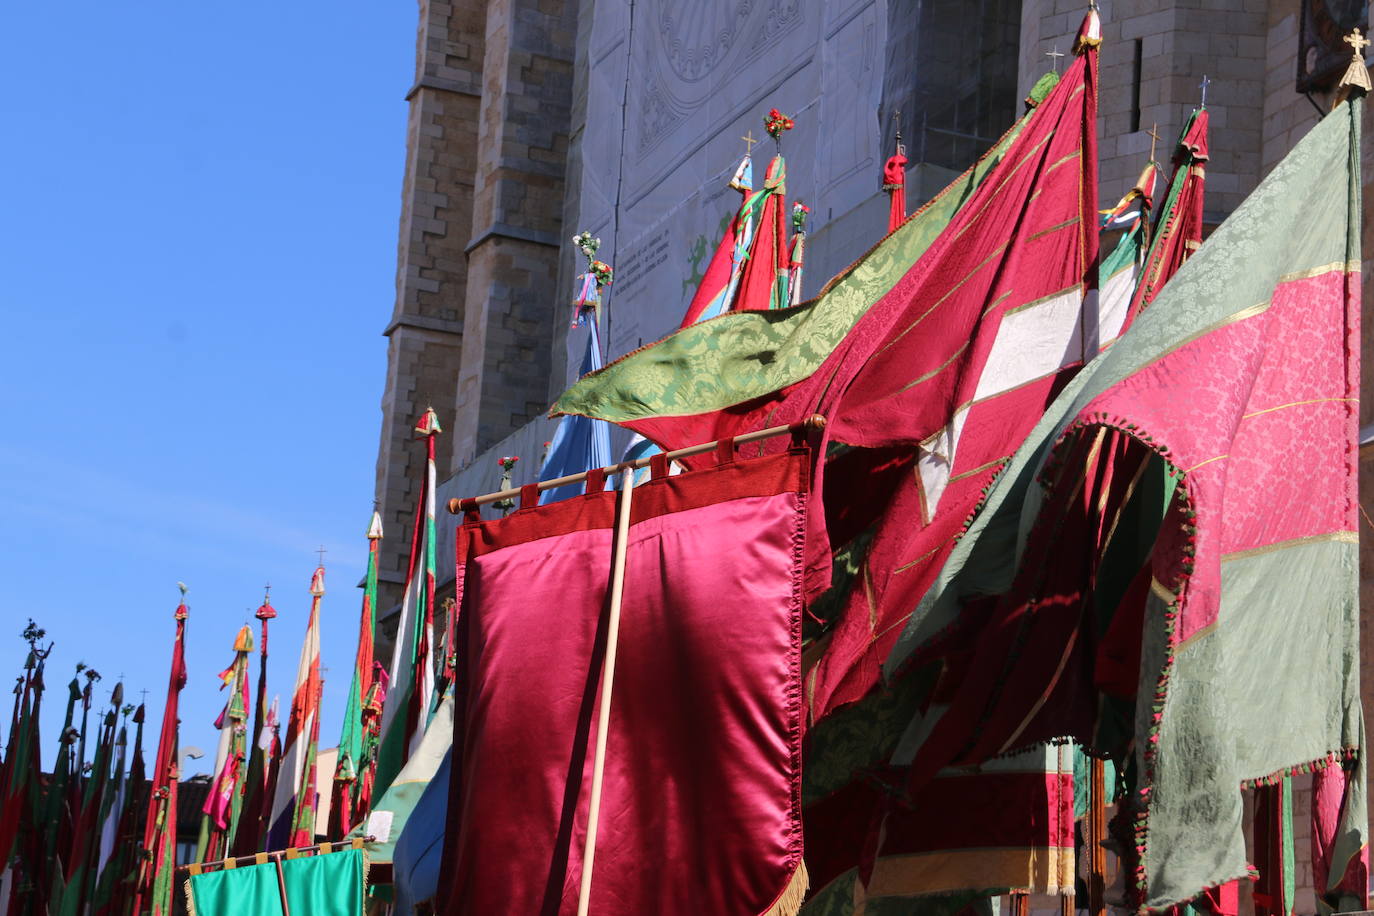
[
  {"x": 232, "y": 892},
  {"x": 319, "y": 885},
  {"x": 1082, "y": 782},
  {"x": 329, "y": 885},
  {"x": 1266, "y": 689}
]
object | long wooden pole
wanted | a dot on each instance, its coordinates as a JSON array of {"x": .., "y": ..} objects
[
  {"x": 603, "y": 722},
  {"x": 262, "y": 858},
  {"x": 815, "y": 421},
  {"x": 1097, "y": 832}
]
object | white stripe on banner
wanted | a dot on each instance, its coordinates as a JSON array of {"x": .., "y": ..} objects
[
  {"x": 1115, "y": 300},
  {"x": 1032, "y": 342}
]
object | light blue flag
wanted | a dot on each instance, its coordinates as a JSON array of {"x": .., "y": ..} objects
[{"x": 580, "y": 443}]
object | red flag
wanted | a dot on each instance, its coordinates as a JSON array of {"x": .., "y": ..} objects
[
  {"x": 710, "y": 642},
  {"x": 160, "y": 833},
  {"x": 952, "y": 368},
  {"x": 1178, "y": 230}
]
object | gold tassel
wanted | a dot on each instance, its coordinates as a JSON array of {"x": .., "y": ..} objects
[
  {"x": 190, "y": 900},
  {"x": 790, "y": 901}
]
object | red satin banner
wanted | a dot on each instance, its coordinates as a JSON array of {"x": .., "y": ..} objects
[{"x": 700, "y": 810}]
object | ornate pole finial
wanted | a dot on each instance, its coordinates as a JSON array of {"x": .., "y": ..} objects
[
  {"x": 749, "y": 142},
  {"x": 1153, "y": 134},
  {"x": 1357, "y": 42},
  {"x": 1203, "y": 86},
  {"x": 428, "y": 424},
  {"x": 1357, "y": 74},
  {"x": 1054, "y": 54}
]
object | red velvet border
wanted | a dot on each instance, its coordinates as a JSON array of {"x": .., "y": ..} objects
[{"x": 785, "y": 472}]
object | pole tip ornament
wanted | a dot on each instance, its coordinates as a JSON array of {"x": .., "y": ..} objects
[
  {"x": 244, "y": 641},
  {"x": 1357, "y": 73},
  {"x": 1090, "y": 32},
  {"x": 428, "y": 424},
  {"x": 775, "y": 123},
  {"x": 374, "y": 528}
]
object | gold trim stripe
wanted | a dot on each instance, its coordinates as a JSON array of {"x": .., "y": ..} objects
[
  {"x": 922, "y": 317},
  {"x": 978, "y": 470},
  {"x": 1207, "y": 462},
  {"x": 1064, "y": 225},
  {"x": 936, "y": 371},
  {"x": 1256, "y": 413},
  {"x": 1244, "y": 314},
  {"x": 1349, "y": 267},
  {"x": 1337, "y": 537}
]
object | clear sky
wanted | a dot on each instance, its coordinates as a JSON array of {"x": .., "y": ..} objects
[{"x": 198, "y": 222}]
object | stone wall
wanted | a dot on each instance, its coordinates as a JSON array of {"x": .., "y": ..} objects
[
  {"x": 517, "y": 226},
  {"x": 426, "y": 328}
]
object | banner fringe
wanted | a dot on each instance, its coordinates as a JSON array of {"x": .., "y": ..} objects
[{"x": 790, "y": 900}]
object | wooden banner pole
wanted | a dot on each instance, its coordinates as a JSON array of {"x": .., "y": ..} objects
[
  {"x": 1097, "y": 832},
  {"x": 603, "y": 723}
]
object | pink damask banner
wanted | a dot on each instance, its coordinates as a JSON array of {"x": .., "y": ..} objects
[{"x": 701, "y": 807}]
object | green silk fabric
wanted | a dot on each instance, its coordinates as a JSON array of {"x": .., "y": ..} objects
[
  {"x": 740, "y": 356},
  {"x": 321, "y": 885}
]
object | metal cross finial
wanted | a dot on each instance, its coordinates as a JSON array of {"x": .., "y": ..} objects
[
  {"x": 1357, "y": 42},
  {"x": 1054, "y": 54},
  {"x": 749, "y": 142},
  {"x": 143, "y": 695},
  {"x": 321, "y": 552},
  {"x": 1153, "y": 134},
  {"x": 1203, "y": 86}
]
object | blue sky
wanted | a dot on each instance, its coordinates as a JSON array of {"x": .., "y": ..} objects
[{"x": 198, "y": 222}]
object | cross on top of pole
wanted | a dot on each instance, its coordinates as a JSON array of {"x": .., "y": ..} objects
[
  {"x": 1203, "y": 86},
  {"x": 1153, "y": 134},
  {"x": 1054, "y": 54},
  {"x": 321, "y": 551},
  {"x": 749, "y": 142},
  {"x": 1357, "y": 42}
]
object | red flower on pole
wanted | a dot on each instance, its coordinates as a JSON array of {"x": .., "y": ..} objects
[{"x": 776, "y": 122}]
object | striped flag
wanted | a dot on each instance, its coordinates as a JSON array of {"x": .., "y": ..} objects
[
  {"x": 410, "y": 688},
  {"x": 160, "y": 832},
  {"x": 225, "y": 802},
  {"x": 292, "y": 821},
  {"x": 119, "y": 868},
  {"x": 749, "y": 270},
  {"x": 1120, "y": 270},
  {"x": 1178, "y": 229},
  {"x": 251, "y": 832},
  {"x": 353, "y": 773},
  {"x": 718, "y": 286}
]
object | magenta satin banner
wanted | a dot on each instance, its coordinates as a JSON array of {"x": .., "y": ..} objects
[{"x": 701, "y": 804}]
